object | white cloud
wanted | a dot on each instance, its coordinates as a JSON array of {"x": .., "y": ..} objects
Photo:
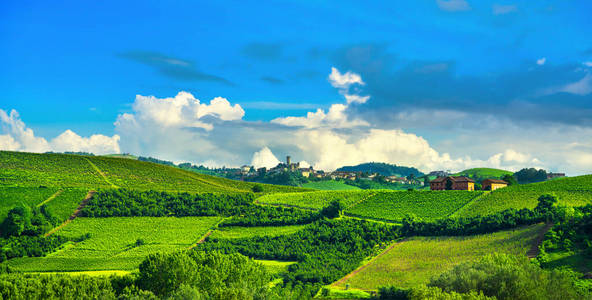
[
  {"x": 304, "y": 164},
  {"x": 581, "y": 87},
  {"x": 18, "y": 137},
  {"x": 182, "y": 110},
  {"x": 587, "y": 63},
  {"x": 264, "y": 158},
  {"x": 504, "y": 9},
  {"x": 335, "y": 118},
  {"x": 541, "y": 61},
  {"x": 344, "y": 81},
  {"x": 453, "y": 5},
  {"x": 356, "y": 99}
]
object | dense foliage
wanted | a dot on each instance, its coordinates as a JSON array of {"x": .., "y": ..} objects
[
  {"x": 508, "y": 277},
  {"x": 325, "y": 250},
  {"x": 238, "y": 206},
  {"x": 572, "y": 234},
  {"x": 529, "y": 175},
  {"x": 31, "y": 246},
  {"x": 22, "y": 220},
  {"x": 383, "y": 169}
]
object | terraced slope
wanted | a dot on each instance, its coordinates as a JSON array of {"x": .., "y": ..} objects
[
  {"x": 571, "y": 191},
  {"x": 395, "y": 205},
  {"x": 414, "y": 261},
  {"x": 94, "y": 172}
]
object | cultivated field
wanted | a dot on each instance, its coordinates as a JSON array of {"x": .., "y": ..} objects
[
  {"x": 235, "y": 232},
  {"x": 395, "y": 205},
  {"x": 113, "y": 242},
  {"x": 417, "y": 259},
  {"x": 316, "y": 200},
  {"x": 329, "y": 185}
]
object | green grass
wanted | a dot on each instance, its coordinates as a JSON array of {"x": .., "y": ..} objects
[
  {"x": 483, "y": 173},
  {"x": 329, "y": 185},
  {"x": 248, "y": 232},
  {"x": 65, "y": 203},
  {"x": 275, "y": 266},
  {"x": 316, "y": 200},
  {"x": 416, "y": 260},
  {"x": 575, "y": 261},
  {"x": 571, "y": 191},
  {"x": 78, "y": 171},
  {"x": 13, "y": 196},
  {"x": 111, "y": 245},
  {"x": 395, "y": 205}
]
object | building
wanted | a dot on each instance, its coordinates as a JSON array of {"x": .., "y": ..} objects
[
  {"x": 555, "y": 175},
  {"x": 305, "y": 172},
  {"x": 452, "y": 183},
  {"x": 245, "y": 169},
  {"x": 438, "y": 173},
  {"x": 493, "y": 184}
]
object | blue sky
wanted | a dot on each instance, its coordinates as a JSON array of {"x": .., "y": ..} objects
[{"x": 448, "y": 72}]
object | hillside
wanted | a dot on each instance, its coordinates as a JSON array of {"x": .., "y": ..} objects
[
  {"x": 477, "y": 173},
  {"x": 570, "y": 191},
  {"x": 383, "y": 169},
  {"x": 93, "y": 172}
]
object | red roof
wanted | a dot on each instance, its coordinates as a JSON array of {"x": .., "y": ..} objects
[
  {"x": 495, "y": 181},
  {"x": 454, "y": 179}
]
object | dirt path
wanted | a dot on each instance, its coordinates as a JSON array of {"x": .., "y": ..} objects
[
  {"x": 50, "y": 198},
  {"x": 358, "y": 270},
  {"x": 84, "y": 202},
  {"x": 101, "y": 173},
  {"x": 534, "y": 249}
]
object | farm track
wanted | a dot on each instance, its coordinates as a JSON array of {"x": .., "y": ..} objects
[
  {"x": 50, "y": 198},
  {"x": 534, "y": 249},
  {"x": 203, "y": 238},
  {"x": 74, "y": 215},
  {"x": 462, "y": 208},
  {"x": 359, "y": 269},
  {"x": 101, "y": 173}
]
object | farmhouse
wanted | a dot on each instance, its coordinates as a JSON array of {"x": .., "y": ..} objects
[
  {"x": 452, "y": 183},
  {"x": 493, "y": 184}
]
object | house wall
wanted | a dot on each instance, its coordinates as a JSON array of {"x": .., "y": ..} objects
[{"x": 494, "y": 186}]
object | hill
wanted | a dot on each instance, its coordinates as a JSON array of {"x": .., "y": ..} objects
[
  {"x": 93, "y": 172},
  {"x": 383, "y": 169},
  {"x": 483, "y": 173},
  {"x": 329, "y": 185}
]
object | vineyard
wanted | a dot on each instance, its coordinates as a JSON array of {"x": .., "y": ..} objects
[
  {"x": 394, "y": 206},
  {"x": 316, "y": 200},
  {"x": 118, "y": 243},
  {"x": 235, "y": 232},
  {"x": 94, "y": 172},
  {"x": 573, "y": 191},
  {"x": 430, "y": 256},
  {"x": 13, "y": 196}
]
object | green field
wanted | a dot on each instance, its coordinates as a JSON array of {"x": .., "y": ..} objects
[
  {"x": 395, "y": 205},
  {"x": 483, "y": 173},
  {"x": 275, "y": 266},
  {"x": 93, "y": 172},
  {"x": 416, "y": 260},
  {"x": 65, "y": 203},
  {"x": 329, "y": 185},
  {"x": 316, "y": 200},
  {"x": 13, "y": 196},
  {"x": 235, "y": 232},
  {"x": 572, "y": 191},
  {"x": 112, "y": 242}
]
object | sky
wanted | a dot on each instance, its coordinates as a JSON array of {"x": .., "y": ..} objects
[{"x": 435, "y": 84}]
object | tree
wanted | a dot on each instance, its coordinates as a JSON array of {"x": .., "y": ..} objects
[
  {"x": 529, "y": 175},
  {"x": 257, "y": 188},
  {"x": 509, "y": 179},
  {"x": 17, "y": 221},
  {"x": 546, "y": 203},
  {"x": 448, "y": 184},
  {"x": 333, "y": 210}
]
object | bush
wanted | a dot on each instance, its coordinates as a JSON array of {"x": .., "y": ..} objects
[{"x": 257, "y": 188}]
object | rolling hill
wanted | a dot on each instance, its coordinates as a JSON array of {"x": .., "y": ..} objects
[{"x": 92, "y": 172}]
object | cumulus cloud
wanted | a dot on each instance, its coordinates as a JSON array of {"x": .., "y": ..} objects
[
  {"x": 541, "y": 61},
  {"x": 264, "y": 158},
  {"x": 453, "y": 5},
  {"x": 17, "y": 137},
  {"x": 344, "y": 81},
  {"x": 336, "y": 117}
]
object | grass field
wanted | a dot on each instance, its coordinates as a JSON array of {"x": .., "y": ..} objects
[
  {"x": 395, "y": 205},
  {"x": 93, "y": 172},
  {"x": 247, "y": 232},
  {"x": 316, "y": 200},
  {"x": 416, "y": 260},
  {"x": 64, "y": 204},
  {"x": 275, "y": 266},
  {"x": 329, "y": 185},
  {"x": 112, "y": 242},
  {"x": 572, "y": 191}
]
